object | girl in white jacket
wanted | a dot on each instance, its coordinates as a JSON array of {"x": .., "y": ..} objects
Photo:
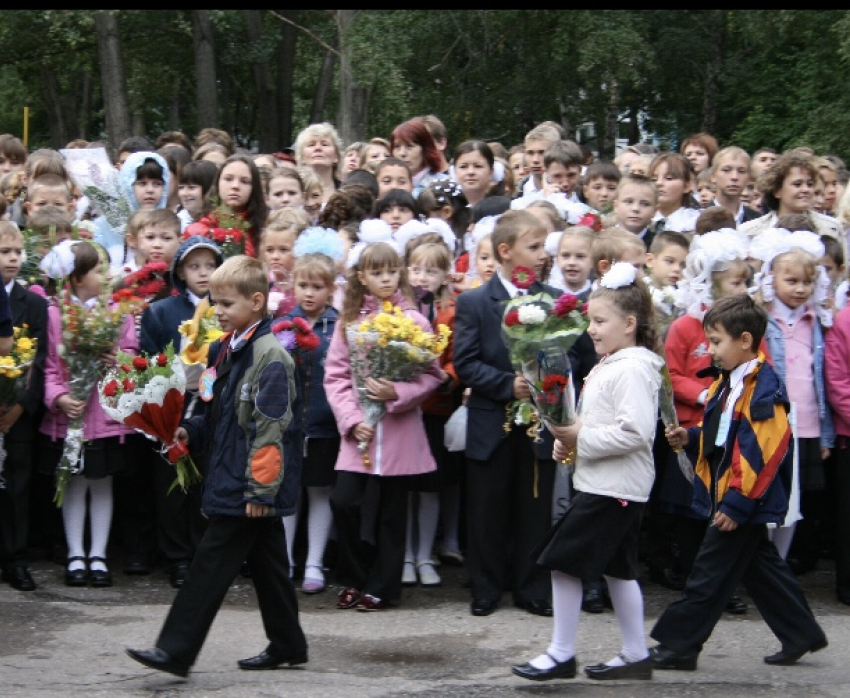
[{"x": 612, "y": 440}]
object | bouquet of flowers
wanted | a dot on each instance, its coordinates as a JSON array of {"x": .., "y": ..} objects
[
  {"x": 539, "y": 331},
  {"x": 390, "y": 345},
  {"x": 671, "y": 420},
  {"x": 39, "y": 241},
  {"x": 197, "y": 335},
  {"x": 147, "y": 393},
  {"x": 14, "y": 371},
  {"x": 147, "y": 283},
  {"x": 227, "y": 229},
  {"x": 296, "y": 336},
  {"x": 87, "y": 333},
  {"x": 664, "y": 301}
]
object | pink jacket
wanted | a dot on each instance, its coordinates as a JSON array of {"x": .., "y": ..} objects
[
  {"x": 837, "y": 371},
  {"x": 400, "y": 446},
  {"x": 96, "y": 424}
]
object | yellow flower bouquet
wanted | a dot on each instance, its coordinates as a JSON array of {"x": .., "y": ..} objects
[
  {"x": 14, "y": 372},
  {"x": 197, "y": 335},
  {"x": 392, "y": 346}
]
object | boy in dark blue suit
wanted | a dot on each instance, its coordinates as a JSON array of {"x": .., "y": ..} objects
[
  {"x": 19, "y": 422},
  {"x": 509, "y": 478}
]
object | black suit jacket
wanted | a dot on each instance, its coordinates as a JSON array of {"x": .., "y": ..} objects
[
  {"x": 30, "y": 309},
  {"x": 750, "y": 214}
]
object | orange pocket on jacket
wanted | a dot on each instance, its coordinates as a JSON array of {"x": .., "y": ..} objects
[{"x": 265, "y": 466}]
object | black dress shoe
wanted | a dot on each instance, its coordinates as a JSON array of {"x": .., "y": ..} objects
[
  {"x": 664, "y": 658},
  {"x": 482, "y": 607},
  {"x": 540, "y": 607},
  {"x": 736, "y": 606},
  {"x": 76, "y": 578},
  {"x": 99, "y": 578},
  {"x": 667, "y": 577},
  {"x": 271, "y": 660},
  {"x": 787, "y": 657},
  {"x": 593, "y": 601},
  {"x": 177, "y": 575},
  {"x": 137, "y": 565},
  {"x": 843, "y": 597},
  {"x": 631, "y": 670},
  {"x": 561, "y": 670},
  {"x": 160, "y": 660},
  {"x": 19, "y": 578}
]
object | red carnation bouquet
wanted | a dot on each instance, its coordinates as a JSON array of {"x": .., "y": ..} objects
[
  {"x": 229, "y": 230},
  {"x": 147, "y": 393},
  {"x": 539, "y": 330},
  {"x": 296, "y": 336},
  {"x": 147, "y": 283}
]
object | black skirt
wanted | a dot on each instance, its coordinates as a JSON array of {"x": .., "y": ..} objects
[
  {"x": 449, "y": 465},
  {"x": 596, "y": 535},
  {"x": 319, "y": 461},
  {"x": 812, "y": 473},
  {"x": 111, "y": 455}
]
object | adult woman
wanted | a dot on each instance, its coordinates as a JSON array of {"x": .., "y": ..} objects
[
  {"x": 788, "y": 187},
  {"x": 413, "y": 143},
  {"x": 319, "y": 147},
  {"x": 476, "y": 171},
  {"x": 700, "y": 149}
]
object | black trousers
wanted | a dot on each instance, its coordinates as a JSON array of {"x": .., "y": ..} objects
[
  {"x": 228, "y": 542},
  {"x": 179, "y": 522},
  {"x": 840, "y": 487},
  {"x": 15, "y": 502},
  {"x": 509, "y": 511},
  {"x": 378, "y": 574},
  {"x": 725, "y": 559}
]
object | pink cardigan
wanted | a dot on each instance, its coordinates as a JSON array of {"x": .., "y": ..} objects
[
  {"x": 96, "y": 424},
  {"x": 837, "y": 371},
  {"x": 400, "y": 446}
]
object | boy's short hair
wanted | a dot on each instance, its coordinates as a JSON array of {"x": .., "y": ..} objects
[
  {"x": 601, "y": 170},
  {"x": 48, "y": 181},
  {"x": 173, "y": 138},
  {"x": 50, "y": 217},
  {"x": 287, "y": 219},
  {"x": 833, "y": 249},
  {"x": 562, "y": 132},
  {"x": 309, "y": 179},
  {"x": 704, "y": 177},
  {"x": 666, "y": 238},
  {"x": 542, "y": 132},
  {"x": 45, "y": 161},
  {"x": 736, "y": 315},
  {"x": 160, "y": 217},
  {"x": 217, "y": 136},
  {"x": 11, "y": 230},
  {"x": 134, "y": 144},
  {"x": 512, "y": 226},
  {"x": 637, "y": 180},
  {"x": 714, "y": 218},
  {"x": 315, "y": 264},
  {"x": 244, "y": 274},
  {"x": 13, "y": 148},
  {"x": 436, "y": 127},
  {"x": 792, "y": 222},
  {"x": 565, "y": 153},
  {"x": 362, "y": 178},
  {"x": 730, "y": 151},
  {"x": 610, "y": 244}
]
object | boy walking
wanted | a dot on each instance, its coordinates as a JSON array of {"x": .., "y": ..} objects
[
  {"x": 248, "y": 486},
  {"x": 742, "y": 483}
]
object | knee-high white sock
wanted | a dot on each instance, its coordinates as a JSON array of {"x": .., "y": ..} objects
[
  {"x": 566, "y": 605},
  {"x": 782, "y": 537},
  {"x": 319, "y": 520},
  {"x": 450, "y": 516},
  {"x": 628, "y": 607},
  {"x": 409, "y": 543},
  {"x": 100, "y": 518},
  {"x": 427, "y": 519},
  {"x": 290, "y": 527},
  {"x": 74, "y": 519}
]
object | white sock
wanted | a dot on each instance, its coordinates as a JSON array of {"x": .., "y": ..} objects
[
  {"x": 74, "y": 519},
  {"x": 628, "y": 607},
  {"x": 450, "y": 517},
  {"x": 319, "y": 520},
  {"x": 409, "y": 544},
  {"x": 290, "y": 527},
  {"x": 566, "y": 605},
  {"x": 100, "y": 518},
  {"x": 782, "y": 537},
  {"x": 427, "y": 519}
]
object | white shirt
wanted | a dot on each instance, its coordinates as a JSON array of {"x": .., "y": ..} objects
[
  {"x": 9, "y": 287},
  {"x": 512, "y": 290},
  {"x": 196, "y": 300},
  {"x": 736, "y": 389},
  {"x": 239, "y": 338}
]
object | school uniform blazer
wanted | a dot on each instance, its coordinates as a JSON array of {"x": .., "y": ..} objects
[
  {"x": 482, "y": 363},
  {"x": 30, "y": 309}
]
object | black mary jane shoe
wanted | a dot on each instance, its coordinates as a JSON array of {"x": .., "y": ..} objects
[
  {"x": 99, "y": 578},
  {"x": 268, "y": 659},
  {"x": 641, "y": 670},
  {"x": 76, "y": 578},
  {"x": 561, "y": 670}
]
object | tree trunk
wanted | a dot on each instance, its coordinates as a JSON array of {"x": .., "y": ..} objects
[
  {"x": 113, "y": 85},
  {"x": 267, "y": 137},
  {"x": 53, "y": 104},
  {"x": 206, "y": 88},
  {"x": 353, "y": 99},
  {"x": 608, "y": 144},
  {"x": 711, "y": 90},
  {"x": 174, "y": 111},
  {"x": 137, "y": 108},
  {"x": 326, "y": 76},
  {"x": 85, "y": 106},
  {"x": 634, "y": 126},
  {"x": 565, "y": 117},
  {"x": 286, "y": 77}
]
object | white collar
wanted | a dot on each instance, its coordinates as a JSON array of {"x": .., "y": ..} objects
[
  {"x": 196, "y": 300},
  {"x": 89, "y": 304},
  {"x": 788, "y": 315},
  {"x": 239, "y": 338},
  {"x": 588, "y": 284},
  {"x": 512, "y": 290},
  {"x": 9, "y": 287}
]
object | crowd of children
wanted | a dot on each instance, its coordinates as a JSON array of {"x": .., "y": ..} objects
[{"x": 725, "y": 268}]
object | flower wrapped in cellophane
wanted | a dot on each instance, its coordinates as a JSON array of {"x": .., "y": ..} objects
[
  {"x": 671, "y": 420},
  {"x": 147, "y": 393},
  {"x": 14, "y": 373},
  {"x": 228, "y": 229},
  {"x": 197, "y": 335},
  {"x": 87, "y": 334},
  {"x": 389, "y": 345},
  {"x": 539, "y": 330}
]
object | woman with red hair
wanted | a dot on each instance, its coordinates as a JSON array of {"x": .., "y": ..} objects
[{"x": 413, "y": 143}]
